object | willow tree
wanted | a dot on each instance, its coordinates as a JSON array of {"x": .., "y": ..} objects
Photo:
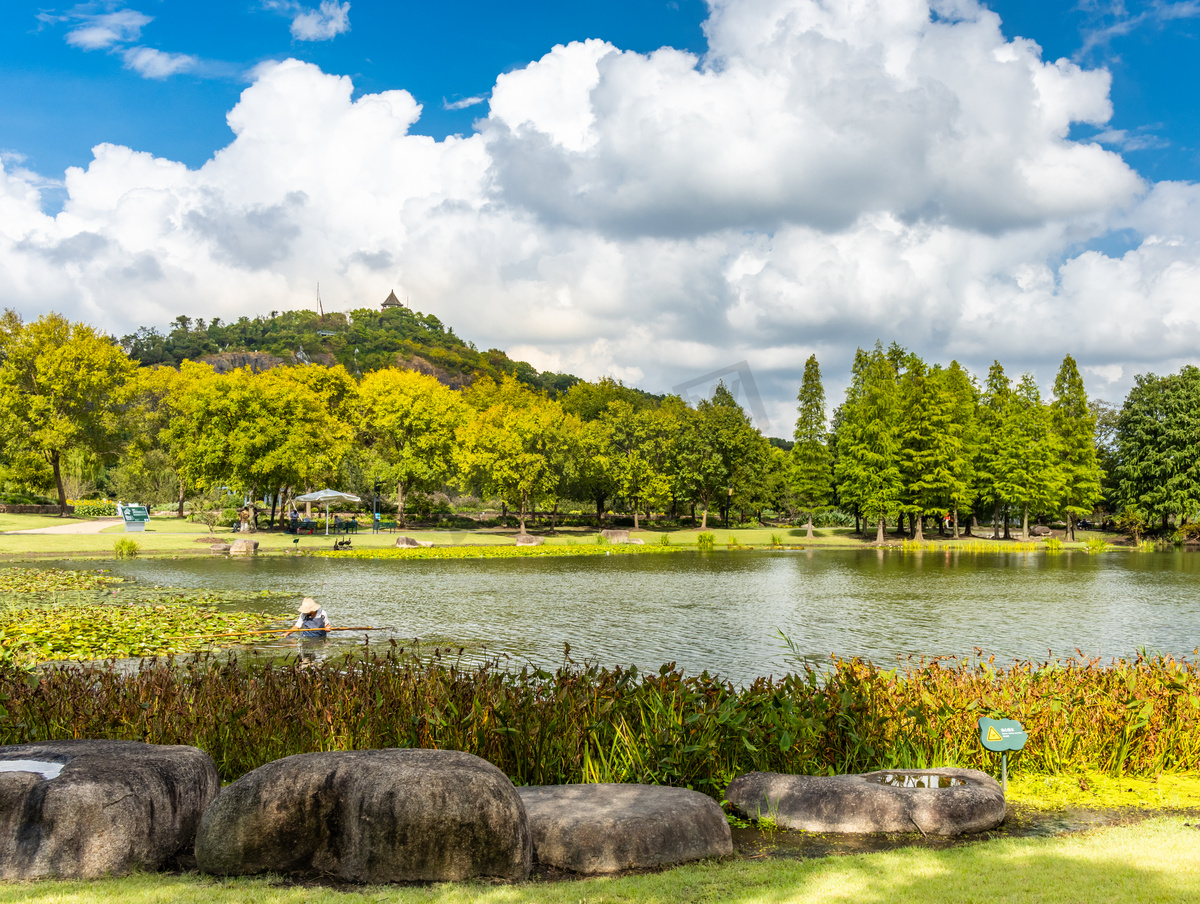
[
  {"x": 63, "y": 387},
  {"x": 812, "y": 474}
]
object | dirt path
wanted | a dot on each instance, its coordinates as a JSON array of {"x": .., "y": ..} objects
[{"x": 71, "y": 527}]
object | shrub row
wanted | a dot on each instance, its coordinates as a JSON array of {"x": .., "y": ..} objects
[{"x": 575, "y": 724}]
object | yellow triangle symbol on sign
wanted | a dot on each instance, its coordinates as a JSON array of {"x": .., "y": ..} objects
[{"x": 993, "y": 735}]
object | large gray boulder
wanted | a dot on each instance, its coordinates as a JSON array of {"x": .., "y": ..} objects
[
  {"x": 244, "y": 548},
  {"x": 369, "y": 816},
  {"x": 411, "y": 543},
  {"x": 931, "y": 801},
  {"x": 615, "y": 536},
  {"x": 607, "y": 828},
  {"x": 528, "y": 540},
  {"x": 83, "y": 809}
]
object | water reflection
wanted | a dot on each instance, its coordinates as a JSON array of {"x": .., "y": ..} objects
[{"x": 721, "y": 611}]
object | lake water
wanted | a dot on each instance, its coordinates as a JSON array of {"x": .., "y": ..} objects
[{"x": 722, "y": 611}]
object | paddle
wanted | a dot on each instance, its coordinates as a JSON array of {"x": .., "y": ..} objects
[{"x": 275, "y": 631}]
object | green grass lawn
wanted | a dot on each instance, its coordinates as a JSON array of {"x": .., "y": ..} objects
[
  {"x": 26, "y": 522},
  {"x": 1154, "y": 862}
]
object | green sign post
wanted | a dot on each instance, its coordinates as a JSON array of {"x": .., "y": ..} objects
[
  {"x": 136, "y": 517},
  {"x": 1000, "y": 736}
]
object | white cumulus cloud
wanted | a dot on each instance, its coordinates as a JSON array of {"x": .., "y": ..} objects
[
  {"x": 327, "y": 21},
  {"x": 102, "y": 31},
  {"x": 151, "y": 63},
  {"x": 827, "y": 174}
]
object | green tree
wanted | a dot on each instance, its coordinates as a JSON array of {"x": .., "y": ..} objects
[
  {"x": 868, "y": 465},
  {"x": 714, "y": 445},
  {"x": 637, "y": 441},
  {"x": 411, "y": 420},
  {"x": 811, "y": 473},
  {"x": 1074, "y": 425},
  {"x": 991, "y": 476},
  {"x": 252, "y": 432},
  {"x": 1158, "y": 447},
  {"x": 63, "y": 387},
  {"x": 1031, "y": 477},
  {"x": 515, "y": 451}
]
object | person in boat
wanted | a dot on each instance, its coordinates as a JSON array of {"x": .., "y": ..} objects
[{"x": 312, "y": 623}]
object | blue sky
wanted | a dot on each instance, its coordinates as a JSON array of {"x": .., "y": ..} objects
[
  {"x": 57, "y": 101},
  {"x": 650, "y": 190}
]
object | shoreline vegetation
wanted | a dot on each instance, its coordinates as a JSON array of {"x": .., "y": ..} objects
[{"x": 1125, "y": 719}]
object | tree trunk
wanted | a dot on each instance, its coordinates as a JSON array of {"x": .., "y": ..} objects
[
  {"x": 504, "y": 514},
  {"x": 857, "y": 521},
  {"x": 62, "y": 494},
  {"x": 274, "y": 503},
  {"x": 521, "y": 515},
  {"x": 635, "y": 515},
  {"x": 918, "y": 527},
  {"x": 1007, "y": 527},
  {"x": 400, "y": 503},
  {"x": 973, "y": 526},
  {"x": 879, "y": 531},
  {"x": 956, "y": 522},
  {"x": 1025, "y": 522},
  {"x": 1071, "y": 527},
  {"x": 704, "y": 522},
  {"x": 554, "y": 516},
  {"x": 810, "y": 533},
  {"x": 182, "y": 490},
  {"x": 600, "y": 512},
  {"x": 996, "y": 521}
]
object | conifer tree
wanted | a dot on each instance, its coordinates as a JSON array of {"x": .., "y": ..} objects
[
  {"x": 935, "y": 461},
  {"x": 961, "y": 448},
  {"x": 990, "y": 473},
  {"x": 868, "y": 446},
  {"x": 1075, "y": 427},
  {"x": 1030, "y": 476},
  {"x": 811, "y": 473}
]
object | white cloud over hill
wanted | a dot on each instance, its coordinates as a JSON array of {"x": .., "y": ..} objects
[{"x": 828, "y": 174}]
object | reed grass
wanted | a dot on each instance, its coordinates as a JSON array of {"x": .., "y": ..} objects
[{"x": 1135, "y": 717}]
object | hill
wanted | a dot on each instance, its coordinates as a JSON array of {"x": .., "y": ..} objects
[{"x": 362, "y": 340}]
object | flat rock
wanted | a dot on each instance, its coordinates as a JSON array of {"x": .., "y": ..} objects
[
  {"x": 369, "y": 816},
  {"x": 898, "y": 800},
  {"x": 411, "y": 542},
  {"x": 219, "y": 549},
  {"x": 607, "y": 828},
  {"x": 529, "y": 540},
  {"x": 84, "y": 809},
  {"x": 244, "y": 548}
]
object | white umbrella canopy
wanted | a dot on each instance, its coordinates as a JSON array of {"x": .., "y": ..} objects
[{"x": 326, "y": 497}]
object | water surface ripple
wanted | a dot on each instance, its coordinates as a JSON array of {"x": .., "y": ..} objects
[{"x": 721, "y": 611}]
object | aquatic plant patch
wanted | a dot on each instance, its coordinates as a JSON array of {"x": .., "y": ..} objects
[
  {"x": 37, "y": 634},
  {"x": 53, "y": 580},
  {"x": 493, "y": 552}
]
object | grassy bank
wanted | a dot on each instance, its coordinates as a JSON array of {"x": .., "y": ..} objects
[
  {"x": 1155, "y": 862},
  {"x": 1137, "y": 718},
  {"x": 167, "y": 536}
]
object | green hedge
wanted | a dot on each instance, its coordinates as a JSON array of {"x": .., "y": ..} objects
[{"x": 95, "y": 509}]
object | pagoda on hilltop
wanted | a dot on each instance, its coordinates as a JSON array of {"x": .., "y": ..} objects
[{"x": 392, "y": 301}]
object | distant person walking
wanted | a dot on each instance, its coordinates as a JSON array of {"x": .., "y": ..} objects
[{"x": 313, "y": 623}]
